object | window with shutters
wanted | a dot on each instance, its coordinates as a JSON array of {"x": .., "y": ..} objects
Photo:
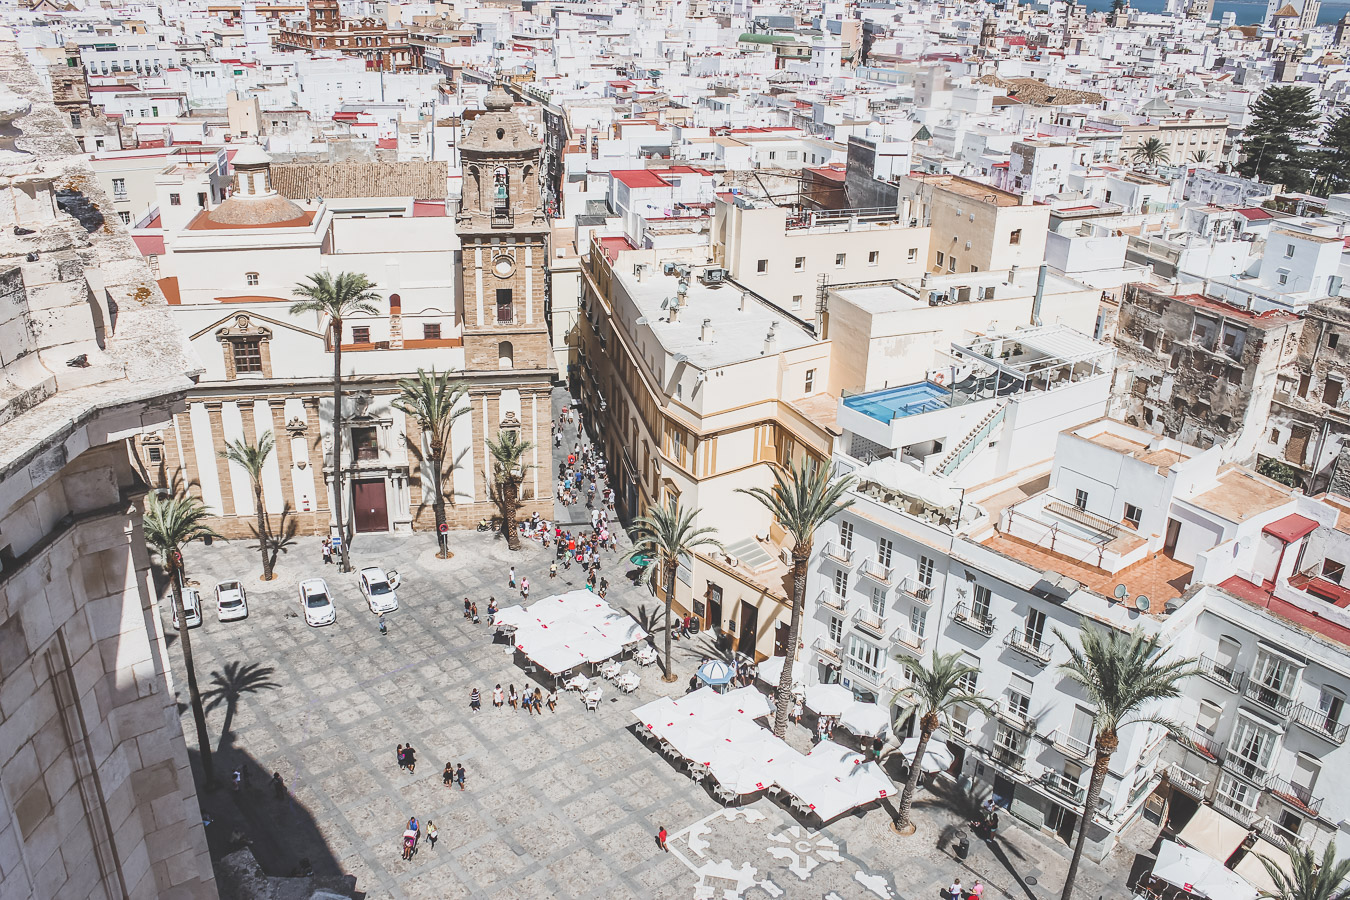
[
  {"x": 1207, "y": 719},
  {"x": 884, "y": 550},
  {"x": 840, "y": 582},
  {"x": 925, "y": 574},
  {"x": 846, "y": 535}
]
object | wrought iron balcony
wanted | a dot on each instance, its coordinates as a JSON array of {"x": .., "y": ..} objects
[
  {"x": 832, "y": 600},
  {"x": 1058, "y": 783},
  {"x": 1272, "y": 699},
  {"x": 978, "y": 621},
  {"x": 1224, "y": 675},
  {"x": 1034, "y": 648},
  {"x": 1008, "y": 757},
  {"x": 1295, "y": 795},
  {"x": 839, "y": 553},
  {"x": 1014, "y": 717},
  {"x": 905, "y": 636},
  {"x": 1244, "y": 814},
  {"x": 1070, "y": 745},
  {"x": 915, "y": 590},
  {"x": 1240, "y": 765},
  {"x": 828, "y": 647},
  {"x": 1199, "y": 741},
  {"x": 1318, "y": 722}
]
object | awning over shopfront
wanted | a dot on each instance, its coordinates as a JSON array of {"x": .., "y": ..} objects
[{"x": 1212, "y": 834}]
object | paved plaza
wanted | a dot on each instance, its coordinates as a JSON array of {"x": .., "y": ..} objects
[{"x": 564, "y": 805}]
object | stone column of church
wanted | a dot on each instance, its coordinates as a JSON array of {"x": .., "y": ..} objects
[
  {"x": 322, "y": 515},
  {"x": 222, "y": 466},
  {"x": 187, "y": 466},
  {"x": 285, "y": 461}
]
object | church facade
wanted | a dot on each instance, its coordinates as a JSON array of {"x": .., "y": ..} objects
[{"x": 462, "y": 294}]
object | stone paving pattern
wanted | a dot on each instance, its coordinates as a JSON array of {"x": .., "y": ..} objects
[{"x": 565, "y": 805}]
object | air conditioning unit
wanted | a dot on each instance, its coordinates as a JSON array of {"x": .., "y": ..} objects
[
  {"x": 713, "y": 276},
  {"x": 785, "y": 555}
]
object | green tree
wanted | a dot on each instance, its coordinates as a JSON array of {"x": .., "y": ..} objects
[
  {"x": 668, "y": 534},
  {"x": 802, "y": 500},
  {"x": 1200, "y": 156},
  {"x": 251, "y": 458},
  {"x": 1308, "y": 879},
  {"x": 508, "y": 471},
  {"x": 434, "y": 402},
  {"x": 171, "y": 523},
  {"x": 1274, "y": 145},
  {"x": 1333, "y": 160},
  {"x": 1152, "y": 153},
  {"x": 1123, "y": 676},
  {"x": 1117, "y": 7},
  {"x": 337, "y": 297},
  {"x": 1278, "y": 470},
  {"x": 937, "y": 690}
]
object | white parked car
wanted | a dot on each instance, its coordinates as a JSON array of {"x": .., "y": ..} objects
[
  {"x": 231, "y": 603},
  {"x": 317, "y": 602},
  {"x": 378, "y": 589},
  {"x": 192, "y": 608}
]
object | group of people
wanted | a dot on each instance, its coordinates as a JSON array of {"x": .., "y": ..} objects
[
  {"x": 532, "y": 703},
  {"x": 956, "y": 892},
  {"x": 581, "y": 474},
  {"x": 407, "y": 758},
  {"x": 413, "y": 831},
  {"x": 986, "y": 826}
]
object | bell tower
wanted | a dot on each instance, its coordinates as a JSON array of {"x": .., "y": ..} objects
[{"x": 503, "y": 236}]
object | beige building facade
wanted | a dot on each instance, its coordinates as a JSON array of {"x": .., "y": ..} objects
[{"x": 974, "y": 227}]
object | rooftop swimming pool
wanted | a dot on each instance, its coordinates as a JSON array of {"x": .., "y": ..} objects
[{"x": 898, "y": 402}]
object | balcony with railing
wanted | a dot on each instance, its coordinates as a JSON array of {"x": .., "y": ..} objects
[
  {"x": 828, "y": 647},
  {"x": 831, "y": 600},
  {"x": 1014, "y": 716},
  {"x": 1009, "y": 754},
  {"x": 1032, "y": 646},
  {"x": 977, "y": 621},
  {"x": 1061, "y": 785},
  {"x": 1198, "y": 741},
  {"x": 1187, "y": 782},
  {"x": 1246, "y": 768},
  {"x": 916, "y": 590},
  {"x": 1226, "y": 676},
  {"x": 1295, "y": 795},
  {"x": 907, "y": 637},
  {"x": 1234, "y": 807},
  {"x": 839, "y": 553},
  {"x": 1069, "y": 745},
  {"x": 876, "y": 571},
  {"x": 1320, "y": 723},
  {"x": 872, "y": 622},
  {"x": 1278, "y": 835},
  {"x": 1271, "y": 698}
]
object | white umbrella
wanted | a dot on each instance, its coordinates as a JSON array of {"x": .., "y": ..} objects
[
  {"x": 656, "y": 714},
  {"x": 1199, "y": 874},
  {"x": 772, "y": 669},
  {"x": 702, "y": 702},
  {"x": 866, "y": 783},
  {"x": 622, "y": 628},
  {"x": 936, "y": 756},
  {"x": 747, "y": 702},
  {"x": 835, "y": 760},
  {"x": 514, "y": 616},
  {"x": 866, "y": 719},
  {"x": 828, "y": 699},
  {"x": 595, "y": 646}
]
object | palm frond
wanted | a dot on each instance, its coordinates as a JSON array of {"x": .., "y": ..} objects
[
  {"x": 336, "y": 297},
  {"x": 669, "y": 533},
  {"x": 803, "y": 499},
  {"x": 173, "y": 521},
  {"x": 1123, "y": 673},
  {"x": 250, "y": 457}
]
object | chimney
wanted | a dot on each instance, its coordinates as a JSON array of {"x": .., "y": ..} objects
[
  {"x": 705, "y": 333},
  {"x": 1012, "y": 274},
  {"x": 771, "y": 339},
  {"x": 923, "y": 280},
  {"x": 745, "y": 301}
]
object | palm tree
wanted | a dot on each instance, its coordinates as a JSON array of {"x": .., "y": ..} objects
[
  {"x": 1200, "y": 156},
  {"x": 1151, "y": 152},
  {"x": 337, "y": 298},
  {"x": 668, "y": 534},
  {"x": 433, "y": 401},
  {"x": 1307, "y": 878},
  {"x": 508, "y": 471},
  {"x": 937, "y": 689},
  {"x": 1122, "y": 674},
  {"x": 251, "y": 458},
  {"x": 802, "y": 500},
  {"x": 171, "y": 523}
]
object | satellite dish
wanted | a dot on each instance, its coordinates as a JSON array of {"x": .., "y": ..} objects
[
  {"x": 1141, "y": 603},
  {"x": 1122, "y": 592}
]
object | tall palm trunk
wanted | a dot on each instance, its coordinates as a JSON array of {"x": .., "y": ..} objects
[
  {"x": 670, "y": 596},
  {"x": 264, "y": 533},
  {"x": 338, "y": 497},
  {"x": 438, "y": 498},
  {"x": 801, "y": 555},
  {"x": 194, "y": 695},
  {"x": 510, "y": 500},
  {"x": 927, "y": 725},
  {"x": 1106, "y": 745}
]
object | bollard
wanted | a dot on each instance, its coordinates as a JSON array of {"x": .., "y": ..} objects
[{"x": 962, "y": 848}]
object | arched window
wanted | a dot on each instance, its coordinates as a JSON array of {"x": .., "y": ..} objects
[
  {"x": 501, "y": 193},
  {"x": 506, "y": 355}
]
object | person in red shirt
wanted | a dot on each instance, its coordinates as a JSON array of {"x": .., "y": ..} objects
[{"x": 661, "y": 839}]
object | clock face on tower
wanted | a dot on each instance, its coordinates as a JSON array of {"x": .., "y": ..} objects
[{"x": 503, "y": 266}]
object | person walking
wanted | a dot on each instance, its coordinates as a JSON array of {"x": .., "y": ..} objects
[
  {"x": 327, "y": 549},
  {"x": 525, "y": 588},
  {"x": 512, "y": 698},
  {"x": 553, "y": 700},
  {"x": 431, "y": 833},
  {"x": 977, "y": 890},
  {"x": 278, "y": 786},
  {"x": 538, "y": 702},
  {"x": 553, "y": 570},
  {"x": 473, "y": 613},
  {"x": 498, "y": 698},
  {"x": 492, "y": 610},
  {"x": 468, "y": 608},
  {"x": 527, "y": 702},
  {"x": 402, "y": 757},
  {"x": 448, "y": 774},
  {"x": 955, "y": 890},
  {"x": 511, "y": 579},
  {"x": 384, "y": 629},
  {"x": 410, "y": 757},
  {"x": 459, "y": 776},
  {"x": 475, "y": 700},
  {"x": 661, "y": 838}
]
